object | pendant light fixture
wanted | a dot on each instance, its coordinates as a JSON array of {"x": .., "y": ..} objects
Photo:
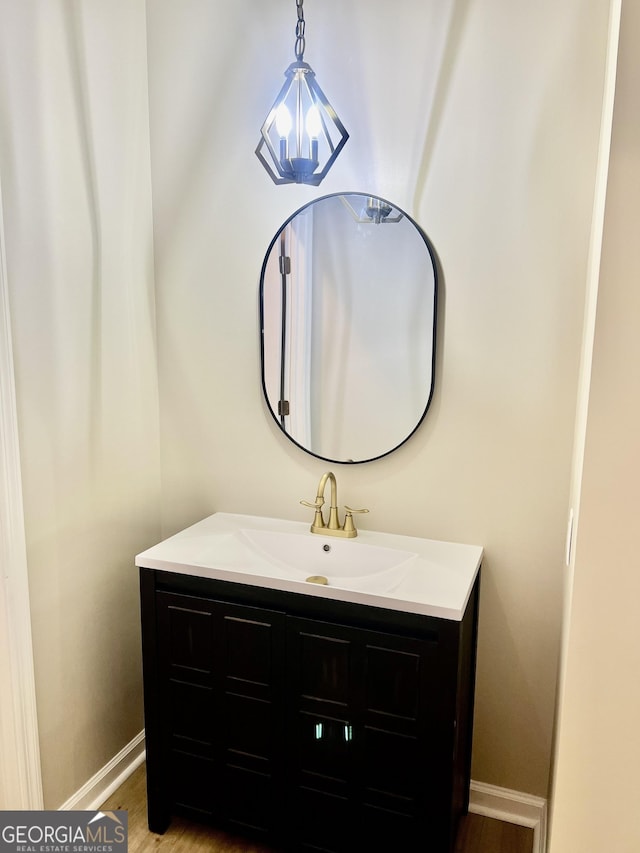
[{"x": 302, "y": 135}]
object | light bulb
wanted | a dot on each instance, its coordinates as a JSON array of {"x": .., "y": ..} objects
[
  {"x": 283, "y": 121},
  {"x": 283, "y": 126},
  {"x": 313, "y": 122},
  {"x": 314, "y": 126}
]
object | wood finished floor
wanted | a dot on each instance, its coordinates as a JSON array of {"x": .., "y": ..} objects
[{"x": 477, "y": 834}]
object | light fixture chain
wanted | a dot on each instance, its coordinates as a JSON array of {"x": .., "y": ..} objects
[{"x": 300, "y": 26}]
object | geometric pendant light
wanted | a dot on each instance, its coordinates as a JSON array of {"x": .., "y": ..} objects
[{"x": 302, "y": 135}]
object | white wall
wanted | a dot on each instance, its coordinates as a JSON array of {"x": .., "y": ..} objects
[
  {"x": 481, "y": 119},
  {"x": 596, "y": 787},
  {"x": 74, "y": 160}
]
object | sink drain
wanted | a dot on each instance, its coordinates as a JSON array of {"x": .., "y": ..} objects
[{"x": 317, "y": 579}]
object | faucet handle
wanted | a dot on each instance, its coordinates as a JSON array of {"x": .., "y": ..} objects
[
  {"x": 318, "y": 520},
  {"x": 349, "y": 526},
  {"x": 315, "y": 505}
]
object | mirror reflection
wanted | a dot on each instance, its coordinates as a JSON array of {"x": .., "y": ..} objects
[{"x": 347, "y": 310}]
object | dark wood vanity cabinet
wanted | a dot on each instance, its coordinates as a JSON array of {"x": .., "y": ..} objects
[{"x": 307, "y": 723}]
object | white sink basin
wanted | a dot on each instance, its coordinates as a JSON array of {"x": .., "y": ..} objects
[
  {"x": 397, "y": 572},
  {"x": 336, "y": 560}
]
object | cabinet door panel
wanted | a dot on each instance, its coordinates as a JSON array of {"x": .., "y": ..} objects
[
  {"x": 250, "y": 725},
  {"x": 220, "y": 668},
  {"x": 373, "y": 748},
  {"x": 194, "y": 783},
  {"x": 191, "y": 715},
  {"x": 324, "y": 668},
  {"x": 393, "y": 764},
  {"x": 250, "y": 799},
  {"x": 392, "y": 682},
  {"x": 248, "y": 651},
  {"x": 323, "y": 821},
  {"x": 324, "y": 748},
  {"x": 382, "y": 830},
  {"x": 187, "y": 642}
]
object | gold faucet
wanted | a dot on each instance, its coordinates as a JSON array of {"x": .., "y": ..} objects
[{"x": 346, "y": 530}]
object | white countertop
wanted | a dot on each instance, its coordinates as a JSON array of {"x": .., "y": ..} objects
[{"x": 432, "y": 578}]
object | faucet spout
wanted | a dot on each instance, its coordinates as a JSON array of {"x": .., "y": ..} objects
[{"x": 334, "y": 524}]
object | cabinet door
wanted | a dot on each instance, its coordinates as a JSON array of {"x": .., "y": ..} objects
[
  {"x": 367, "y": 720},
  {"x": 221, "y": 690}
]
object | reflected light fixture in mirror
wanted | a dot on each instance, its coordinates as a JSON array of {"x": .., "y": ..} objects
[
  {"x": 348, "y": 294},
  {"x": 302, "y": 135},
  {"x": 373, "y": 209}
]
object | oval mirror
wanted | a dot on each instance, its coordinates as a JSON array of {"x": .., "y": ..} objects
[{"x": 348, "y": 312}]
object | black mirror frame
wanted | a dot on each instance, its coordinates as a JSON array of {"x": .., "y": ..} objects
[{"x": 436, "y": 277}]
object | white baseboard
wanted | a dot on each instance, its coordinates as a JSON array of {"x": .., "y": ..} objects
[
  {"x": 512, "y": 807},
  {"x": 107, "y": 780}
]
